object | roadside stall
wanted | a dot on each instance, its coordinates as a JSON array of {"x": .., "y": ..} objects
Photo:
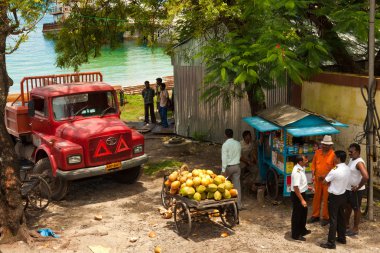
[{"x": 283, "y": 132}]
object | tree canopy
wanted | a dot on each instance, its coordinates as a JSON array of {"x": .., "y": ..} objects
[{"x": 248, "y": 43}]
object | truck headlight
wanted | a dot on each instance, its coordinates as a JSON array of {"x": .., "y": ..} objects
[
  {"x": 138, "y": 149},
  {"x": 74, "y": 159}
]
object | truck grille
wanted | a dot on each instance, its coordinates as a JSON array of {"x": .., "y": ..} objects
[{"x": 108, "y": 149}]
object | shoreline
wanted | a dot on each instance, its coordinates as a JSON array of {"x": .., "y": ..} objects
[{"x": 129, "y": 90}]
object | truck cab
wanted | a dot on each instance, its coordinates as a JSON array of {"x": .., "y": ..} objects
[{"x": 73, "y": 130}]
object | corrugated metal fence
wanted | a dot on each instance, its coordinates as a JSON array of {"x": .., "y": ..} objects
[{"x": 196, "y": 118}]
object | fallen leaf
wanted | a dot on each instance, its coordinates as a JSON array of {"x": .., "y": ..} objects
[{"x": 152, "y": 234}]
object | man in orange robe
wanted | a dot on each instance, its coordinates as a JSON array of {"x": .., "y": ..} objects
[{"x": 323, "y": 162}]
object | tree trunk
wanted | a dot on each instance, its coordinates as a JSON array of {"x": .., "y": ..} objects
[
  {"x": 256, "y": 98},
  {"x": 12, "y": 220}
]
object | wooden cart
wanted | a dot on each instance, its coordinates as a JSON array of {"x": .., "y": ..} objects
[{"x": 186, "y": 209}]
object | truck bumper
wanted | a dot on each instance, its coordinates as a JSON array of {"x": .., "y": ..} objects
[{"x": 101, "y": 170}]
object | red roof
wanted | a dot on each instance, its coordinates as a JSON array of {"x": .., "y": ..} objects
[{"x": 72, "y": 88}]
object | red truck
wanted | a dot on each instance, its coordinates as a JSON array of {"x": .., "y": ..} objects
[{"x": 69, "y": 127}]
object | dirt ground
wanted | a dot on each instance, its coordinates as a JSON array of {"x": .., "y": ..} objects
[{"x": 130, "y": 212}]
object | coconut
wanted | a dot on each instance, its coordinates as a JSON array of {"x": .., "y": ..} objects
[
  {"x": 173, "y": 191},
  {"x": 168, "y": 183},
  {"x": 217, "y": 180},
  {"x": 197, "y": 181},
  {"x": 228, "y": 185},
  {"x": 204, "y": 182},
  {"x": 201, "y": 188},
  {"x": 217, "y": 195},
  {"x": 212, "y": 188},
  {"x": 234, "y": 193},
  {"x": 195, "y": 173},
  {"x": 189, "y": 182},
  {"x": 190, "y": 191},
  {"x": 173, "y": 176},
  {"x": 227, "y": 194},
  {"x": 210, "y": 195},
  {"x": 203, "y": 196},
  {"x": 183, "y": 179},
  {"x": 197, "y": 196},
  {"x": 221, "y": 188},
  {"x": 175, "y": 185}
]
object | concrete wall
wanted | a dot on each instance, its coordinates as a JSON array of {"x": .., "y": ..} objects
[{"x": 338, "y": 96}]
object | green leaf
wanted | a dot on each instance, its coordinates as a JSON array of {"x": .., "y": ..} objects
[
  {"x": 241, "y": 78},
  {"x": 290, "y": 5},
  {"x": 223, "y": 74}
]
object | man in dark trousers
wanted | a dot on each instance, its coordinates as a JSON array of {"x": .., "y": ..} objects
[
  {"x": 231, "y": 153},
  {"x": 356, "y": 187},
  {"x": 337, "y": 180},
  {"x": 148, "y": 95},
  {"x": 158, "y": 92},
  {"x": 298, "y": 194}
]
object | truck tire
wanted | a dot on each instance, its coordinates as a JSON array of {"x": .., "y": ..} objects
[
  {"x": 129, "y": 176},
  {"x": 58, "y": 186}
]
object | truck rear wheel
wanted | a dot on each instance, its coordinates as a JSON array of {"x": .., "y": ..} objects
[
  {"x": 58, "y": 186},
  {"x": 128, "y": 176}
]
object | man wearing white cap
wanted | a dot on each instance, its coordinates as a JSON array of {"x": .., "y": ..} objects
[{"x": 322, "y": 164}]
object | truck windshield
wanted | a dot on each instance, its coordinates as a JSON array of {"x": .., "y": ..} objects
[{"x": 84, "y": 104}]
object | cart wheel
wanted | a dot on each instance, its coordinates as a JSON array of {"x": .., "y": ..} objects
[
  {"x": 229, "y": 215},
  {"x": 166, "y": 198},
  {"x": 40, "y": 195},
  {"x": 182, "y": 219},
  {"x": 272, "y": 184}
]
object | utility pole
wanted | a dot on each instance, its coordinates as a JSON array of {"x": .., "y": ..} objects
[{"x": 371, "y": 141}]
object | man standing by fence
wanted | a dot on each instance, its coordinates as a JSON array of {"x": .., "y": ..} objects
[{"x": 148, "y": 95}]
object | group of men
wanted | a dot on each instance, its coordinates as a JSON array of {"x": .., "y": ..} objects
[
  {"x": 162, "y": 102},
  {"x": 337, "y": 186}
]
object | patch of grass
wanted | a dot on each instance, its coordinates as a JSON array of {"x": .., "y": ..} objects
[
  {"x": 153, "y": 168},
  {"x": 198, "y": 136},
  {"x": 134, "y": 108}
]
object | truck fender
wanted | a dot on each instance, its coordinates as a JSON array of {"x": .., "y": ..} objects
[{"x": 46, "y": 150}]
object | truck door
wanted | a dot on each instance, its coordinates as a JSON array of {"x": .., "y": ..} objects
[{"x": 40, "y": 121}]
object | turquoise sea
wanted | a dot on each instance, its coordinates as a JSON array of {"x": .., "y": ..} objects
[{"x": 129, "y": 65}]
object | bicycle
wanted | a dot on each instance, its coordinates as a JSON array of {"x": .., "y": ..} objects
[{"x": 35, "y": 190}]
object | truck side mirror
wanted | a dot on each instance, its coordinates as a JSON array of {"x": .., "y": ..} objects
[{"x": 31, "y": 108}]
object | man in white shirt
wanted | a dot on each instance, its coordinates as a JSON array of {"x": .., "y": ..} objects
[
  {"x": 356, "y": 187},
  {"x": 231, "y": 152},
  {"x": 298, "y": 194},
  {"x": 337, "y": 180}
]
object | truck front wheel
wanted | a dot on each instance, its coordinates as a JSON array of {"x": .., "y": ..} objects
[
  {"x": 128, "y": 176},
  {"x": 58, "y": 186}
]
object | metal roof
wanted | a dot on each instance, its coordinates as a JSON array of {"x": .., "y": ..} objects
[
  {"x": 296, "y": 122},
  {"x": 283, "y": 115}
]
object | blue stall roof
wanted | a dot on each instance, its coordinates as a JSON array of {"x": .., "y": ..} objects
[
  {"x": 297, "y": 122},
  {"x": 311, "y": 131},
  {"x": 260, "y": 124}
]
